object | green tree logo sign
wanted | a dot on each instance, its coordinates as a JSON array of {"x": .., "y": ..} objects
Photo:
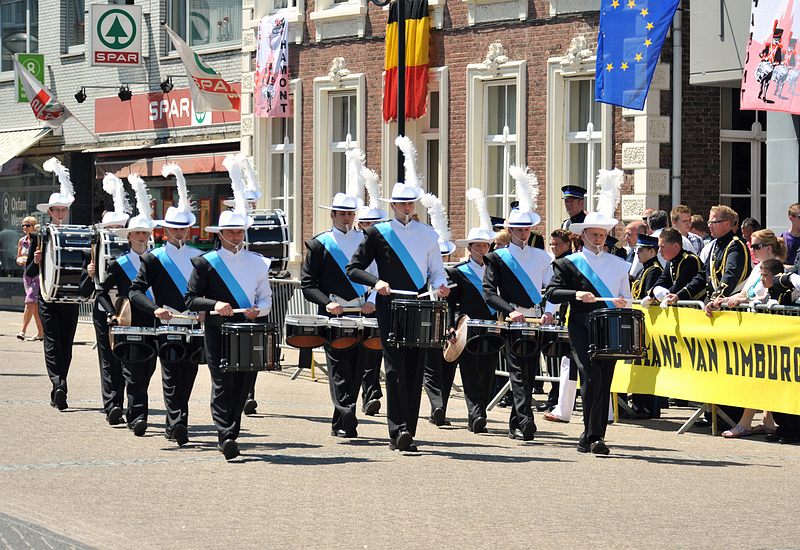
[{"x": 117, "y": 33}]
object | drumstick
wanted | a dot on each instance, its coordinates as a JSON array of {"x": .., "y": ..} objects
[
  {"x": 184, "y": 316},
  {"x": 404, "y": 292},
  {"x": 534, "y": 320},
  {"x": 431, "y": 292}
]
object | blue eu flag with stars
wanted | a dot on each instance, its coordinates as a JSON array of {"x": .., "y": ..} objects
[{"x": 628, "y": 48}]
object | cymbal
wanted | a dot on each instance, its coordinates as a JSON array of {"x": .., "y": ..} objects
[{"x": 453, "y": 348}]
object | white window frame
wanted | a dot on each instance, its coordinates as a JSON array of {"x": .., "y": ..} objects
[
  {"x": 324, "y": 89},
  {"x": 294, "y": 12},
  {"x": 352, "y": 11},
  {"x": 558, "y": 138},
  {"x": 9, "y": 75},
  {"x": 420, "y": 133},
  {"x": 560, "y": 7},
  {"x": 479, "y": 76},
  {"x": 263, "y": 154},
  {"x": 77, "y": 48},
  {"x": 756, "y": 137},
  {"x": 208, "y": 48},
  {"x": 487, "y": 11}
]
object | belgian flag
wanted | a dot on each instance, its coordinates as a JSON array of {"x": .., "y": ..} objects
[{"x": 418, "y": 34}]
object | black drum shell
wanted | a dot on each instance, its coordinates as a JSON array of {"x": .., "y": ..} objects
[
  {"x": 172, "y": 346},
  {"x": 249, "y": 347},
  {"x": 523, "y": 340},
  {"x": 617, "y": 333},
  {"x": 343, "y": 337},
  {"x": 371, "y": 337},
  {"x": 131, "y": 347},
  {"x": 485, "y": 339},
  {"x": 306, "y": 336},
  {"x": 417, "y": 323}
]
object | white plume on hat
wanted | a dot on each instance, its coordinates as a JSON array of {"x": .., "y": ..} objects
[
  {"x": 476, "y": 196},
  {"x": 438, "y": 215},
  {"x": 526, "y": 189},
  {"x": 607, "y": 187},
  {"x": 372, "y": 182},
  {"x": 233, "y": 166},
  {"x": 355, "y": 175},
  {"x": 142, "y": 197},
  {"x": 409, "y": 160},
  {"x": 252, "y": 185},
  {"x": 66, "y": 188},
  {"x": 115, "y": 187},
  {"x": 171, "y": 169}
]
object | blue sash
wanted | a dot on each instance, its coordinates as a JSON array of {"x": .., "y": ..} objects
[
  {"x": 519, "y": 272},
  {"x": 130, "y": 270},
  {"x": 174, "y": 273},
  {"x": 227, "y": 277},
  {"x": 333, "y": 248},
  {"x": 751, "y": 292},
  {"x": 402, "y": 252},
  {"x": 586, "y": 270},
  {"x": 477, "y": 283}
]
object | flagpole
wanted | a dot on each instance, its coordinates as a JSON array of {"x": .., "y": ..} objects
[
  {"x": 84, "y": 126},
  {"x": 401, "y": 83}
]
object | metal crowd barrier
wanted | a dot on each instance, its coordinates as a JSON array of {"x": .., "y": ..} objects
[
  {"x": 287, "y": 299},
  {"x": 85, "y": 312}
]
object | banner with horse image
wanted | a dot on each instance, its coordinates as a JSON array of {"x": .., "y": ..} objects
[
  {"x": 734, "y": 358},
  {"x": 769, "y": 81},
  {"x": 272, "y": 69}
]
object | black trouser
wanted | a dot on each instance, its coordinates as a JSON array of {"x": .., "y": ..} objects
[
  {"x": 112, "y": 381},
  {"x": 251, "y": 390},
  {"x": 345, "y": 372},
  {"x": 177, "y": 377},
  {"x": 788, "y": 424},
  {"x": 371, "y": 381},
  {"x": 520, "y": 374},
  {"x": 404, "y": 369},
  {"x": 477, "y": 376},
  {"x": 596, "y": 376},
  {"x": 438, "y": 378},
  {"x": 137, "y": 377},
  {"x": 59, "y": 322}
]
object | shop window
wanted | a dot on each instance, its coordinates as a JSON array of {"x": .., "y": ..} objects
[
  {"x": 74, "y": 25},
  {"x": 19, "y": 30},
  {"x": 743, "y": 153},
  {"x": 206, "y": 23}
]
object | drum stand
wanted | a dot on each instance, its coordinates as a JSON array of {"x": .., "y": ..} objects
[
  {"x": 306, "y": 361},
  {"x": 715, "y": 413}
]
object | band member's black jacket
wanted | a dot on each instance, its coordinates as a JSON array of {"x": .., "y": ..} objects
[
  {"x": 677, "y": 275},
  {"x": 501, "y": 287},
  {"x": 646, "y": 280},
  {"x": 117, "y": 278},
  {"x": 728, "y": 266},
  {"x": 577, "y": 218},
  {"x": 465, "y": 298}
]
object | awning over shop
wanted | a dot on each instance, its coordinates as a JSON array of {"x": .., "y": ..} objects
[
  {"x": 151, "y": 166},
  {"x": 16, "y": 142}
]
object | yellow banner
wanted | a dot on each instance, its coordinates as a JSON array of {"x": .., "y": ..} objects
[{"x": 734, "y": 358}]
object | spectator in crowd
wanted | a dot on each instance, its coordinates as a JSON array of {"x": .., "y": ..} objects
[
  {"x": 30, "y": 284},
  {"x": 657, "y": 222},
  {"x": 501, "y": 239},
  {"x": 646, "y": 214},
  {"x": 632, "y": 232},
  {"x": 792, "y": 237},
  {"x": 749, "y": 225},
  {"x": 681, "y": 218},
  {"x": 700, "y": 228}
]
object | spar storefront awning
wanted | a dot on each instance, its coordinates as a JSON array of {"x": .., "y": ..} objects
[{"x": 15, "y": 142}]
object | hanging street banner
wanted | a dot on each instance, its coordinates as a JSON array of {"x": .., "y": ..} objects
[
  {"x": 116, "y": 35},
  {"x": 769, "y": 81},
  {"x": 43, "y": 103},
  {"x": 34, "y": 63},
  {"x": 272, "y": 69},
  {"x": 743, "y": 359}
]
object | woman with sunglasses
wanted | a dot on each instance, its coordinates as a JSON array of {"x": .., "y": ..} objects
[{"x": 31, "y": 284}]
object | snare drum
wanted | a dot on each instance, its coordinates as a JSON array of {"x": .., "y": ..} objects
[
  {"x": 197, "y": 346},
  {"x": 306, "y": 331},
  {"x": 417, "y": 323},
  {"x": 523, "y": 339},
  {"x": 370, "y": 334},
  {"x": 133, "y": 344},
  {"x": 249, "y": 347},
  {"x": 173, "y": 343},
  {"x": 616, "y": 333},
  {"x": 269, "y": 236},
  {"x": 485, "y": 337},
  {"x": 344, "y": 332},
  {"x": 63, "y": 250},
  {"x": 553, "y": 340},
  {"x": 764, "y": 70},
  {"x": 780, "y": 73}
]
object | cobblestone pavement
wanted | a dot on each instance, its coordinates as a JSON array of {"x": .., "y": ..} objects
[{"x": 69, "y": 480}]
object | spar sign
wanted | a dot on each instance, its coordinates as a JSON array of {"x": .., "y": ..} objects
[{"x": 116, "y": 35}]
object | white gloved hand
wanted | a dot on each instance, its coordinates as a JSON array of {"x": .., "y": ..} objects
[
  {"x": 664, "y": 304},
  {"x": 646, "y": 302}
]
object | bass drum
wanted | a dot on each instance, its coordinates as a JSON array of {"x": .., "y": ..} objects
[
  {"x": 63, "y": 250},
  {"x": 106, "y": 247},
  {"x": 269, "y": 236}
]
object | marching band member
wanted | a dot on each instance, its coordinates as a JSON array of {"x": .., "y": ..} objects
[
  {"x": 467, "y": 298},
  {"x": 407, "y": 256},
  {"x": 682, "y": 266},
  {"x": 325, "y": 282},
  {"x": 59, "y": 319},
  {"x": 511, "y": 285},
  {"x": 112, "y": 382},
  {"x": 647, "y": 252},
  {"x": 574, "y": 197},
  {"x": 165, "y": 271},
  {"x": 121, "y": 274},
  {"x": 223, "y": 280},
  {"x": 580, "y": 279}
]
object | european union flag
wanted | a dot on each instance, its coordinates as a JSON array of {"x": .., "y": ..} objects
[{"x": 628, "y": 48}]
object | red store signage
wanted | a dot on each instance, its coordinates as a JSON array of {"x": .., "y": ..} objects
[{"x": 155, "y": 111}]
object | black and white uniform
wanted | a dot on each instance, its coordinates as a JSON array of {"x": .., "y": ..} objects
[
  {"x": 403, "y": 366},
  {"x": 177, "y": 376},
  {"x": 477, "y": 372},
  {"x": 59, "y": 322},
  {"x": 577, "y": 218},
  {"x": 646, "y": 279},
  {"x": 207, "y": 287},
  {"x": 322, "y": 278},
  {"x": 596, "y": 374},
  {"x": 505, "y": 293},
  {"x": 727, "y": 268},
  {"x": 137, "y": 374},
  {"x": 678, "y": 273}
]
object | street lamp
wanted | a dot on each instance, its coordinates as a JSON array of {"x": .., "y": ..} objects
[{"x": 401, "y": 76}]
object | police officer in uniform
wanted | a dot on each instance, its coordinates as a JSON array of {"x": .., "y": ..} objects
[
  {"x": 574, "y": 197},
  {"x": 166, "y": 271},
  {"x": 325, "y": 283},
  {"x": 230, "y": 278}
]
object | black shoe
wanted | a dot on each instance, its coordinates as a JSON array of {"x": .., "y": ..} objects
[
  {"x": 479, "y": 425},
  {"x": 506, "y": 401},
  {"x": 516, "y": 433},
  {"x": 538, "y": 391},
  {"x": 599, "y": 447},
  {"x": 437, "y": 417},
  {"x": 528, "y": 431},
  {"x": 702, "y": 423},
  {"x": 773, "y": 437},
  {"x": 404, "y": 440},
  {"x": 584, "y": 447},
  {"x": 229, "y": 449},
  {"x": 338, "y": 432},
  {"x": 372, "y": 407},
  {"x": 114, "y": 416},
  {"x": 250, "y": 407},
  {"x": 60, "y": 399},
  {"x": 181, "y": 435},
  {"x": 139, "y": 427},
  {"x": 789, "y": 440},
  {"x": 546, "y": 406}
]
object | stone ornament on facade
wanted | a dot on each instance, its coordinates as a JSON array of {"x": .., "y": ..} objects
[
  {"x": 495, "y": 57},
  {"x": 248, "y": 82},
  {"x": 246, "y": 125},
  {"x": 249, "y": 41},
  {"x": 577, "y": 54},
  {"x": 338, "y": 71}
]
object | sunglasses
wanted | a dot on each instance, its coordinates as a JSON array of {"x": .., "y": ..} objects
[
  {"x": 758, "y": 246},
  {"x": 27, "y": 225}
]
